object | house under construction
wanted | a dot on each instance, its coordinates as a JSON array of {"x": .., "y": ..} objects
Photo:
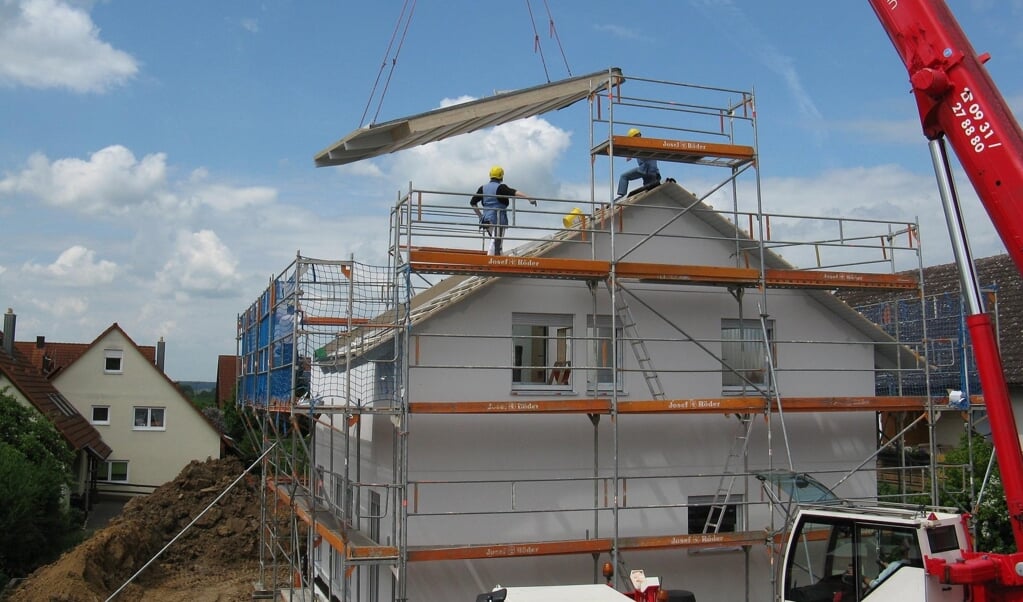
[{"x": 648, "y": 381}]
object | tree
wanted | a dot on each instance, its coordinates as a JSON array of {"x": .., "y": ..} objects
[
  {"x": 991, "y": 516},
  {"x": 35, "y": 470}
]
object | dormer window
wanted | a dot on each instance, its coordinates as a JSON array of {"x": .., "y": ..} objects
[{"x": 113, "y": 361}]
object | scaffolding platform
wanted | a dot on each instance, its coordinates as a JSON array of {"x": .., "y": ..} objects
[
  {"x": 355, "y": 545},
  {"x": 586, "y": 546},
  {"x": 677, "y": 151},
  {"x": 720, "y": 405},
  {"x": 431, "y": 260}
]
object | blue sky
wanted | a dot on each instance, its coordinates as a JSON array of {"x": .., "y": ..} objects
[{"x": 156, "y": 157}]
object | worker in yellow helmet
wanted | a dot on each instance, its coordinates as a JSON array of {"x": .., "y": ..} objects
[
  {"x": 645, "y": 169},
  {"x": 494, "y": 196}
]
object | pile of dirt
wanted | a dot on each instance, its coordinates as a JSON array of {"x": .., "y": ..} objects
[{"x": 215, "y": 560}]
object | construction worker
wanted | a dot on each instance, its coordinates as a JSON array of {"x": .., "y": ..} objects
[
  {"x": 494, "y": 196},
  {"x": 645, "y": 168}
]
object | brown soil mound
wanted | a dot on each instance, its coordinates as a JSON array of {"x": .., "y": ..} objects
[{"x": 215, "y": 560}]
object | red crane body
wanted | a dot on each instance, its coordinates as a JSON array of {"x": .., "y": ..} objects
[{"x": 958, "y": 101}]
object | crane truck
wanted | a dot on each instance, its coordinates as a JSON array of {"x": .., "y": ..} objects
[{"x": 837, "y": 553}]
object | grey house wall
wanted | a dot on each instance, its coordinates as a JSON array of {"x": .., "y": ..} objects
[{"x": 666, "y": 458}]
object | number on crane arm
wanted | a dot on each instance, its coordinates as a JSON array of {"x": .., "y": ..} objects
[{"x": 971, "y": 120}]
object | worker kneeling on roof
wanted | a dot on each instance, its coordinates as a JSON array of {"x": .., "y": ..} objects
[{"x": 645, "y": 169}]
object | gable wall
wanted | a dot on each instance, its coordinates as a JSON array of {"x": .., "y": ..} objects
[
  {"x": 548, "y": 461},
  {"x": 154, "y": 457}
]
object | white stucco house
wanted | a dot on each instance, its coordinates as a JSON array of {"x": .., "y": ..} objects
[
  {"x": 121, "y": 389},
  {"x": 521, "y": 459}
]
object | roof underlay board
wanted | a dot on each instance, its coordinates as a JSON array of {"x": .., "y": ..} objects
[{"x": 409, "y": 132}]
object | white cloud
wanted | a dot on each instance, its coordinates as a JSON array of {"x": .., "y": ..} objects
[
  {"x": 625, "y": 33},
  {"x": 527, "y": 149},
  {"x": 885, "y": 192},
  {"x": 51, "y": 44},
  {"x": 68, "y": 307},
  {"x": 228, "y": 198},
  {"x": 201, "y": 264},
  {"x": 111, "y": 181},
  {"x": 250, "y": 25},
  {"x": 77, "y": 267}
]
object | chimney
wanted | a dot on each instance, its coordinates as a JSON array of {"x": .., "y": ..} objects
[
  {"x": 40, "y": 342},
  {"x": 10, "y": 322},
  {"x": 161, "y": 350}
]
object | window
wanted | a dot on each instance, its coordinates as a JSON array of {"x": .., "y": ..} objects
[
  {"x": 742, "y": 349},
  {"x": 598, "y": 333},
  {"x": 705, "y": 512},
  {"x": 541, "y": 351},
  {"x": 149, "y": 419},
  {"x": 114, "y": 471},
  {"x": 113, "y": 361},
  {"x": 101, "y": 414},
  {"x": 853, "y": 558},
  {"x": 62, "y": 404}
]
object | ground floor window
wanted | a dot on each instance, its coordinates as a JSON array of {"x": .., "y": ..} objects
[
  {"x": 100, "y": 414},
  {"x": 541, "y": 351},
  {"x": 707, "y": 514},
  {"x": 113, "y": 471}
]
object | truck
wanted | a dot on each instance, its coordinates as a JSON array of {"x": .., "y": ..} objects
[{"x": 837, "y": 553}]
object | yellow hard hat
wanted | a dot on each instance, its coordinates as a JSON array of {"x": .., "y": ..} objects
[
  {"x": 497, "y": 172},
  {"x": 634, "y": 132}
]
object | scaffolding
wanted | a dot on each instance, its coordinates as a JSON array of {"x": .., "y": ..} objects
[{"x": 339, "y": 368}]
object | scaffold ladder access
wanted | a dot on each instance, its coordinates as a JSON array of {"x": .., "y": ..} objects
[
  {"x": 628, "y": 324},
  {"x": 737, "y": 451}
]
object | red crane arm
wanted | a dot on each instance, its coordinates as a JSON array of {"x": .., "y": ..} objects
[{"x": 957, "y": 100}]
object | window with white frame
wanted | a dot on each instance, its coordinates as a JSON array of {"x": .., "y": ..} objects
[
  {"x": 100, "y": 415},
  {"x": 541, "y": 351},
  {"x": 112, "y": 471},
  {"x": 149, "y": 419},
  {"x": 598, "y": 333},
  {"x": 113, "y": 361},
  {"x": 744, "y": 354}
]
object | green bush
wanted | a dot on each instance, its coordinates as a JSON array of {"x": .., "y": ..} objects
[{"x": 34, "y": 472}]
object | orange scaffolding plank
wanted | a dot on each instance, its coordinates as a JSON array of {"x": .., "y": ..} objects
[
  {"x": 453, "y": 261},
  {"x": 677, "y": 151},
  {"x": 343, "y": 321},
  {"x": 691, "y": 274},
  {"x": 561, "y": 406},
  {"x": 355, "y": 545},
  {"x": 585, "y": 546},
  {"x": 456, "y": 261},
  {"x": 833, "y": 280},
  {"x": 708, "y": 405}
]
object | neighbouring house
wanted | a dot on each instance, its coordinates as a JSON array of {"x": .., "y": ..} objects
[
  {"x": 20, "y": 377},
  {"x": 122, "y": 390},
  {"x": 227, "y": 380},
  {"x": 940, "y": 317}
]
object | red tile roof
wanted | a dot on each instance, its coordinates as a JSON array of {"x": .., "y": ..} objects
[
  {"x": 31, "y": 383},
  {"x": 51, "y": 358},
  {"x": 998, "y": 272}
]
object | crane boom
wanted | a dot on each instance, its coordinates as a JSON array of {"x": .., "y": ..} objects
[{"x": 959, "y": 102}]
